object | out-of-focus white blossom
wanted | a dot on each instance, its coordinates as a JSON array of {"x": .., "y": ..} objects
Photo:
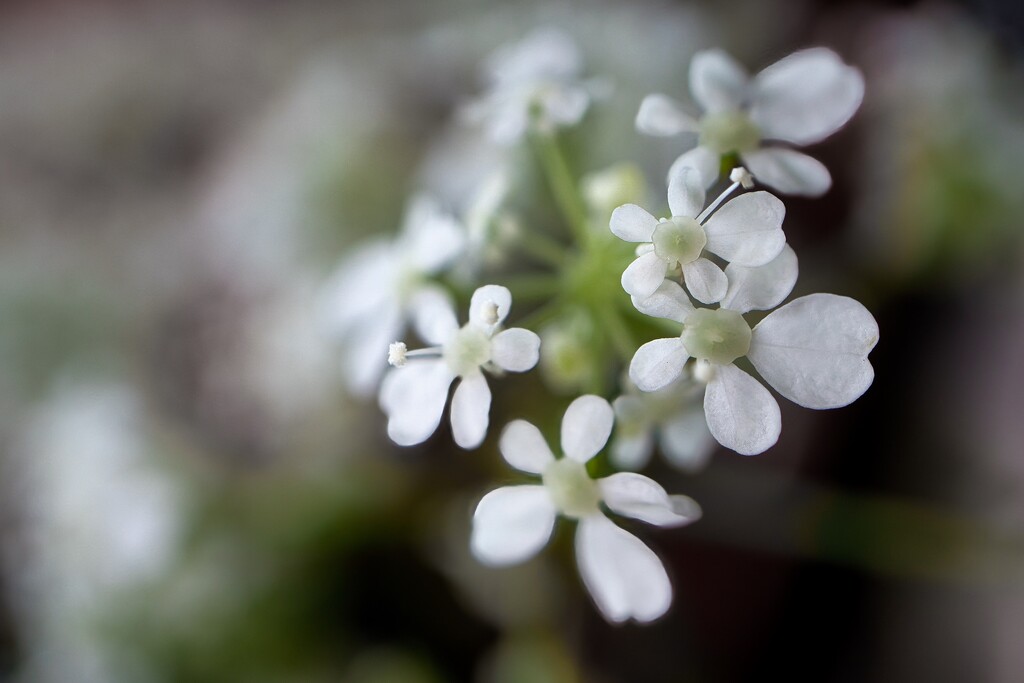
[
  {"x": 533, "y": 84},
  {"x": 799, "y": 100},
  {"x": 366, "y": 303},
  {"x": 414, "y": 396},
  {"x": 511, "y": 524},
  {"x": 813, "y": 351},
  {"x": 746, "y": 231},
  {"x": 671, "y": 417}
]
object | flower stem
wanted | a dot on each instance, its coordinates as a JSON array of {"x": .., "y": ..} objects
[
  {"x": 563, "y": 185},
  {"x": 533, "y": 287},
  {"x": 543, "y": 248}
]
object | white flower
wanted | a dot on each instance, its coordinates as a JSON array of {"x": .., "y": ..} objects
[
  {"x": 367, "y": 300},
  {"x": 747, "y": 231},
  {"x": 534, "y": 83},
  {"x": 414, "y": 396},
  {"x": 813, "y": 351},
  {"x": 672, "y": 417},
  {"x": 511, "y": 524},
  {"x": 800, "y": 100}
]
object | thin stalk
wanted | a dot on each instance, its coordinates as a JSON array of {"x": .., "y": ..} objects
[{"x": 563, "y": 185}]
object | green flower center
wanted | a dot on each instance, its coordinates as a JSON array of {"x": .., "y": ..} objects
[
  {"x": 720, "y": 336},
  {"x": 574, "y": 493},
  {"x": 729, "y": 132},
  {"x": 680, "y": 240},
  {"x": 468, "y": 350}
]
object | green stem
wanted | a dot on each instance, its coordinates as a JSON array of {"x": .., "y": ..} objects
[
  {"x": 533, "y": 287},
  {"x": 563, "y": 185},
  {"x": 618, "y": 332},
  {"x": 542, "y": 248}
]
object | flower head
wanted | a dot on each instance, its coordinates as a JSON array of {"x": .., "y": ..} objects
[
  {"x": 799, "y": 100},
  {"x": 511, "y": 524},
  {"x": 366, "y": 302},
  {"x": 534, "y": 83},
  {"x": 813, "y": 351},
  {"x": 413, "y": 396},
  {"x": 746, "y": 230}
]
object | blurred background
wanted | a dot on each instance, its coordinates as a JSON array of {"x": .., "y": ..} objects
[{"x": 187, "y": 493}]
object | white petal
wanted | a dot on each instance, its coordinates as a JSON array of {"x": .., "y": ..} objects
[
  {"x": 413, "y": 398},
  {"x": 634, "y": 495},
  {"x": 523, "y": 446},
  {"x": 717, "y": 81},
  {"x": 632, "y": 451},
  {"x": 761, "y": 287},
  {"x": 586, "y": 426},
  {"x": 668, "y": 301},
  {"x": 741, "y": 413},
  {"x": 471, "y": 408},
  {"x": 705, "y": 160},
  {"x": 662, "y": 116},
  {"x": 481, "y": 305},
  {"x": 515, "y": 349},
  {"x": 624, "y": 577},
  {"x": 364, "y": 361},
  {"x": 806, "y": 96},
  {"x": 644, "y": 275},
  {"x": 747, "y": 229},
  {"x": 631, "y": 223},
  {"x": 658, "y": 363},
  {"x": 705, "y": 280},
  {"x": 511, "y": 524},
  {"x": 814, "y": 350},
  {"x": 685, "y": 191},
  {"x": 358, "y": 287},
  {"x": 686, "y": 441},
  {"x": 433, "y": 316},
  {"x": 788, "y": 171},
  {"x": 431, "y": 238},
  {"x": 565, "y": 105}
]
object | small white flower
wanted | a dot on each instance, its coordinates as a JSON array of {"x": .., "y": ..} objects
[
  {"x": 800, "y": 100},
  {"x": 813, "y": 351},
  {"x": 672, "y": 417},
  {"x": 414, "y": 396},
  {"x": 367, "y": 300},
  {"x": 534, "y": 83},
  {"x": 746, "y": 230},
  {"x": 511, "y": 524}
]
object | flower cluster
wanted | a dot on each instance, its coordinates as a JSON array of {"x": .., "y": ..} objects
[{"x": 696, "y": 273}]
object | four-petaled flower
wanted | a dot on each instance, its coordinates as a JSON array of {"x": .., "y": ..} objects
[
  {"x": 366, "y": 302},
  {"x": 746, "y": 230},
  {"x": 799, "y": 100},
  {"x": 813, "y": 351},
  {"x": 511, "y": 524},
  {"x": 414, "y": 396}
]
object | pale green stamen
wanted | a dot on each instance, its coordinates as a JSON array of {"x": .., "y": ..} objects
[
  {"x": 572, "y": 490},
  {"x": 729, "y": 132},
  {"x": 679, "y": 240},
  {"x": 720, "y": 336},
  {"x": 468, "y": 350}
]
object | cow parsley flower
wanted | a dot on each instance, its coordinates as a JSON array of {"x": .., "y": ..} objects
[
  {"x": 813, "y": 351},
  {"x": 671, "y": 417},
  {"x": 746, "y": 230},
  {"x": 800, "y": 100},
  {"x": 367, "y": 300},
  {"x": 413, "y": 395},
  {"x": 511, "y": 524},
  {"x": 532, "y": 84}
]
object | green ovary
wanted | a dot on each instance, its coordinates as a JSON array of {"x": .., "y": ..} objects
[
  {"x": 679, "y": 240},
  {"x": 468, "y": 350},
  {"x": 572, "y": 490},
  {"x": 719, "y": 336},
  {"x": 729, "y": 132}
]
